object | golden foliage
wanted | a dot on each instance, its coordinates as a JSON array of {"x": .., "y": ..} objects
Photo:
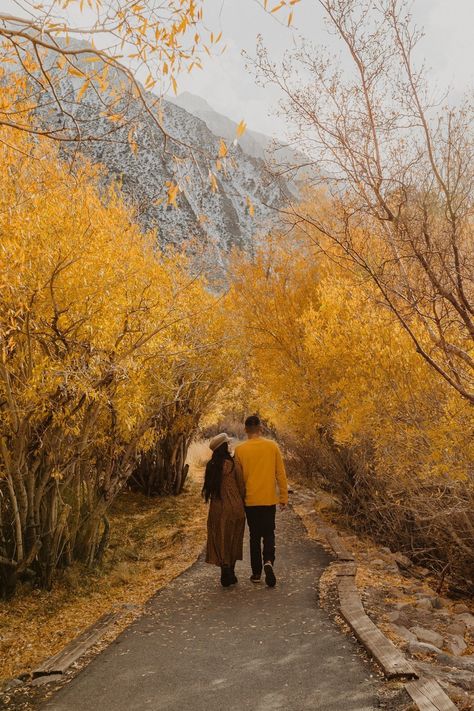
[
  {"x": 107, "y": 346},
  {"x": 328, "y": 357},
  {"x": 334, "y": 371}
]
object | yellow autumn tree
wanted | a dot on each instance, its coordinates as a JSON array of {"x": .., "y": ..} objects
[
  {"x": 399, "y": 169},
  {"x": 100, "y": 336},
  {"x": 333, "y": 370},
  {"x": 204, "y": 359}
]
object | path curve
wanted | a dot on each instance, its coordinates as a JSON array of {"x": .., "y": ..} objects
[{"x": 204, "y": 648}]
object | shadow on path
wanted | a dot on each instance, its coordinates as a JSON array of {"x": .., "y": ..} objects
[{"x": 204, "y": 648}]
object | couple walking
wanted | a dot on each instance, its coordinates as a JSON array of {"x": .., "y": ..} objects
[{"x": 248, "y": 485}]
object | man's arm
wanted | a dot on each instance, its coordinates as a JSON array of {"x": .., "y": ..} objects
[{"x": 281, "y": 477}]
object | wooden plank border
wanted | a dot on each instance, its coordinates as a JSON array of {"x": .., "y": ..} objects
[
  {"x": 59, "y": 663},
  {"x": 385, "y": 653},
  {"x": 392, "y": 661},
  {"x": 62, "y": 660},
  {"x": 427, "y": 694}
]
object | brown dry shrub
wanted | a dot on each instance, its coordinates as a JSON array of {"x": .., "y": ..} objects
[{"x": 431, "y": 521}]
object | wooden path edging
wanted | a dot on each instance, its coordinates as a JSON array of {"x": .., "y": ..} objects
[
  {"x": 385, "y": 653},
  {"x": 429, "y": 696},
  {"x": 426, "y": 693},
  {"x": 59, "y": 663}
]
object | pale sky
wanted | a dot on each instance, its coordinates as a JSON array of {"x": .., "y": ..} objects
[{"x": 448, "y": 47}]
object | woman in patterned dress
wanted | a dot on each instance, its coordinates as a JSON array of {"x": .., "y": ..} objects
[{"x": 225, "y": 490}]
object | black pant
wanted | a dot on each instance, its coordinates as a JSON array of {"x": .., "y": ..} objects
[{"x": 261, "y": 521}]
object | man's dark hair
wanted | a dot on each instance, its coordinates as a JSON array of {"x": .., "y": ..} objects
[{"x": 253, "y": 421}]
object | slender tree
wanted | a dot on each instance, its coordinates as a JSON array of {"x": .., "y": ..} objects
[
  {"x": 95, "y": 350},
  {"x": 396, "y": 172}
]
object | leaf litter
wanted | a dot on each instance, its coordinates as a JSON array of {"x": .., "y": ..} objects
[{"x": 152, "y": 541}]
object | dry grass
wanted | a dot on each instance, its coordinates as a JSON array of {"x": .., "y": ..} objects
[
  {"x": 198, "y": 456},
  {"x": 153, "y": 540}
]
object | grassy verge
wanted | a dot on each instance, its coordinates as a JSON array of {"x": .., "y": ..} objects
[{"x": 152, "y": 541}]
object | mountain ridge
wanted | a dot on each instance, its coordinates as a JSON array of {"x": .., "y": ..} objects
[
  {"x": 224, "y": 210},
  {"x": 253, "y": 142}
]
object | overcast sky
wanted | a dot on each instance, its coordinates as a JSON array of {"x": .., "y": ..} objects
[{"x": 448, "y": 48}]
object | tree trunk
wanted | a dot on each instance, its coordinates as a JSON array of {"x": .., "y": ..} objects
[{"x": 163, "y": 470}]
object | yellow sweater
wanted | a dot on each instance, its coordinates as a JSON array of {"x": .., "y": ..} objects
[{"x": 263, "y": 469}]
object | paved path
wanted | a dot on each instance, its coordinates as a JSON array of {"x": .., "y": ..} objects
[{"x": 246, "y": 648}]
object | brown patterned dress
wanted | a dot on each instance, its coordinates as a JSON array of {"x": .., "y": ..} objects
[{"x": 226, "y": 519}]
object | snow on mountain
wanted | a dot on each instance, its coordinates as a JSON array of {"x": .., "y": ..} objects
[
  {"x": 254, "y": 143},
  {"x": 218, "y": 219}
]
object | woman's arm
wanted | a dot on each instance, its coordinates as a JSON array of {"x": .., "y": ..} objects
[{"x": 239, "y": 477}]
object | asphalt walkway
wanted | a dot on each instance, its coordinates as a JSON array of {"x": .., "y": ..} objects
[{"x": 246, "y": 648}]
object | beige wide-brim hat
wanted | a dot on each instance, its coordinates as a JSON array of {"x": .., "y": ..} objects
[{"x": 218, "y": 440}]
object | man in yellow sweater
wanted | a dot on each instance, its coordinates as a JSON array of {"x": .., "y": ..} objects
[{"x": 265, "y": 485}]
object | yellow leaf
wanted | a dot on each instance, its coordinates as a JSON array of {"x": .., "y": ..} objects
[
  {"x": 174, "y": 85},
  {"x": 132, "y": 141},
  {"x": 82, "y": 90},
  {"x": 111, "y": 117},
  {"x": 75, "y": 72},
  {"x": 222, "y": 149},
  {"x": 173, "y": 190},
  {"x": 290, "y": 18},
  {"x": 213, "y": 181},
  {"x": 278, "y": 7},
  {"x": 150, "y": 82},
  {"x": 241, "y": 128},
  {"x": 250, "y": 206}
]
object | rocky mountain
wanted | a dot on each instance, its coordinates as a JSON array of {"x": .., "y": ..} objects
[
  {"x": 221, "y": 211},
  {"x": 254, "y": 143}
]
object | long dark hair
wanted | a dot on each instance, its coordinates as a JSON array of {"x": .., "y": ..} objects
[{"x": 214, "y": 468}]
